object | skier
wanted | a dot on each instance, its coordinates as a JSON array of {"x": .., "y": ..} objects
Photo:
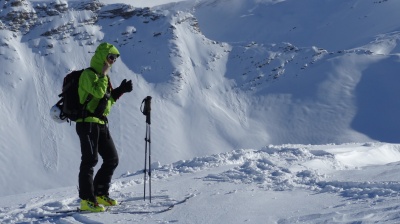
[{"x": 93, "y": 132}]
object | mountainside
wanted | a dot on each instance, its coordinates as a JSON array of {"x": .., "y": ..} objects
[{"x": 224, "y": 75}]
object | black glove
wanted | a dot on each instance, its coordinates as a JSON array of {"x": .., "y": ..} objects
[{"x": 126, "y": 86}]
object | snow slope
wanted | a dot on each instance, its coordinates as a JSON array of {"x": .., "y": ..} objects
[
  {"x": 347, "y": 183},
  {"x": 227, "y": 78}
]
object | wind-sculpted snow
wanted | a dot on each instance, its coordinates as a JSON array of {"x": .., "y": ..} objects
[
  {"x": 269, "y": 169},
  {"x": 286, "y": 167},
  {"x": 359, "y": 190}
]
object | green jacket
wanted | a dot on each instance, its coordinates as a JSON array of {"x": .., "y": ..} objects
[{"x": 96, "y": 84}]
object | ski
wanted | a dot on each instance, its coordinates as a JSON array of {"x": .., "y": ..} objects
[
  {"x": 68, "y": 211},
  {"x": 170, "y": 207},
  {"x": 63, "y": 213},
  {"x": 143, "y": 212},
  {"x": 111, "y": 210}
]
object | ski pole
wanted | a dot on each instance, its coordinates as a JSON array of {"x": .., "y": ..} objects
[
  {"x": 145, "y": 166},
  {"x": 149, "y": 141},
  {"x": 146, "y": 111}
]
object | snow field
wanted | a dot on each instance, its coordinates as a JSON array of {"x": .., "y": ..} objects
[{"x": 271, "y": 181}]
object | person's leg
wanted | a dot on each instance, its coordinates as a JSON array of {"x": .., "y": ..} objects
[
  {"x": 89, "y": 135},
  {"x": 109, "y": 155}
]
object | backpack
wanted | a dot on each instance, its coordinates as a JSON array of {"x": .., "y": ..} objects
[{"x": 69, "y": 104}]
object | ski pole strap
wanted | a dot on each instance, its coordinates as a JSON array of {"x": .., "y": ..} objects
[{"x": 147, "y": 108}]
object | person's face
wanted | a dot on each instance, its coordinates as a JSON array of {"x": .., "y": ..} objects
[{"x": 111, "y": 58}]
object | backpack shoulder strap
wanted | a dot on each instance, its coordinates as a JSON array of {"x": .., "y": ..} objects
[
  {"x": 109, "y": 88},
  {"x": 92, "y": 69},
  {"x": 90, "y": 96}
]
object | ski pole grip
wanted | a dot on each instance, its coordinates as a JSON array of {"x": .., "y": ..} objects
[{"x": 147, "y": 106}]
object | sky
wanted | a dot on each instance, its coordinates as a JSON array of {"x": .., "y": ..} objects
[{"x": 259, "y": 107}]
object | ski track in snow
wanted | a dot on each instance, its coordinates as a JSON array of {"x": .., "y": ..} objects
[{"x": 272, "y": 168}]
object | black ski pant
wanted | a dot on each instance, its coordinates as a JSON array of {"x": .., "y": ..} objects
[{"x": 95, "y": 139}]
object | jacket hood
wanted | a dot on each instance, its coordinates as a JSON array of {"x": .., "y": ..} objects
[{"x": 100, "y": 56}]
